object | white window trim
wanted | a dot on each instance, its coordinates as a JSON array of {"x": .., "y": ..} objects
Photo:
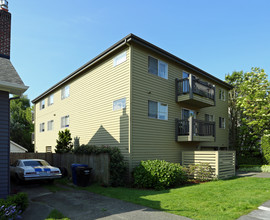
[
  {"x": 42, "y": 106},
  {"x": 40, "y": 127},
  {"x": 120, "y": 58},
  {"x": 49, "y": 100},
  {"x": 63, "y": 92},
  {"x": 66, "y": 125},
  {"x": 158, "y": 111},
  {"x": 121, "y": 105},
  {"x": 158, "y": 73},
  {"x": 212, "y": 116},
  {"x": 52, "y": 124},
  {"x": 223, "y": 97},
  {"x": 224, "y": 125}
]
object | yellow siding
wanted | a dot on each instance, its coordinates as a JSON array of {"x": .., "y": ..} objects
[
  {"x": 92, "y": 119},
  {"x": 90, "y": 108},
  {"x": 153, "y": 138}
]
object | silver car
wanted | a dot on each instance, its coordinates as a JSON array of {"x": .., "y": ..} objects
[{"x": 34, "y": 169}]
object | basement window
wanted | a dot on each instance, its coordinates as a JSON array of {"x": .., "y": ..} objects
[{"x": 122, "y": 57}]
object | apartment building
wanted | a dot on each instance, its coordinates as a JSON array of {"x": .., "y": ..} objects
[{"x": 140, "y": 98}]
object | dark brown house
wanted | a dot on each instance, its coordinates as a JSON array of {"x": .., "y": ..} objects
[{"x": 10, "y": 83}]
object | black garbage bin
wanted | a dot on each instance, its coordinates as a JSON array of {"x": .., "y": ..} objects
[
  {"x": 74, "y": 173},
  {"x": 83, "y": 176}
]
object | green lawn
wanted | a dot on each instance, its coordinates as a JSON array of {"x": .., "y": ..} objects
[{"x": 227, "y": 199}]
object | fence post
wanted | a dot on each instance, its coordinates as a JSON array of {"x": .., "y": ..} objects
[
  {"x": 191, "y": 128},
  {"x": 217, "y": 163}
]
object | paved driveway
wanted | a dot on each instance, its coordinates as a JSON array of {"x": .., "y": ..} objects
[{"x": 82, "y": 205}]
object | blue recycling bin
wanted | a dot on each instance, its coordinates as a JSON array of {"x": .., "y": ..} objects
[{"x": 74, "y": 173}]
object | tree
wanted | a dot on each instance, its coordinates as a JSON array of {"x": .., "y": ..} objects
[
  {"x": 64, "y": 142},
  {"x": 249, "y": 109},
  {"x": 21, "y": 126}
]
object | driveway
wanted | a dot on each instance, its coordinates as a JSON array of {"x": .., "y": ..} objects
[{"x": 82, "y": 205}]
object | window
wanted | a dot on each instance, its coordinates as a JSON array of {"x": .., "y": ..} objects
[
  {"x": 50, "y": 125},
  {"x": 120, "y": 59},
  {"x": 65, "y": 92},
  {"x": 50, "y": 100},
  {"x": 119, "y": 104},
  {"x": 209, "y": 117},
  {"x": 157, "y": 67},
  {"x": 185, "y": 83},
  {"x": 222, "y": 94},
  {"x": 48, "y": 149},
  {"x": 221, "y": 122},
  {"x": 65, "y": 121},
  {"x": 42, "y": 127},
  {"x": 157, "y": 110},
  {"x": 186, "y": 113},
  {"x": 42, "y": 104}
]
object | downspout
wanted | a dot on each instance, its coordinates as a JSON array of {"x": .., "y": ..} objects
[{"x": 130, "y": 107}]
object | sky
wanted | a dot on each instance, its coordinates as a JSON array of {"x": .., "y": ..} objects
[{"x": 51, "y": 39}]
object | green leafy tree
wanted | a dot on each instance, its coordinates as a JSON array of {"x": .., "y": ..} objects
[
  {"x": 21, "y": 126},
  {"x": 249, "y": 110},
  {"x": 64, "y": 142}
]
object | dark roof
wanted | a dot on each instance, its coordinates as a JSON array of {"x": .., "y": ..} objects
[
  {"x": 122, "y": 42},
  {"x": 9, "y": 78}
]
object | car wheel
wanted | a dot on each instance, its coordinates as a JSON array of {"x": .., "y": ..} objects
[
  {"x": 64, "y": 171},
  {"x": 18, "y": 180}
]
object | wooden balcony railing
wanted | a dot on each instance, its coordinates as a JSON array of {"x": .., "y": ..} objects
[
  {"x": 193, "y": 127},
  {"x": 194, "y": 85}
]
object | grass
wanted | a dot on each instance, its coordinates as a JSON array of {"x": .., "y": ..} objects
[
  {"x": 223, "y": 199},
  {"x": 55, "y": 214},
  {"x": 254, "y": 168}
]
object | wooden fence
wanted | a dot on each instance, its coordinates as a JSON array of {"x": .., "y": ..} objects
[
  {"x": 100, "y": 163},
  {"x": 223, "y": 162}
]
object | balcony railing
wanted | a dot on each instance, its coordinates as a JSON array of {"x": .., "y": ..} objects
[
  {"x": 198, "y": 87},
  {"x": 194, "y": 128}
]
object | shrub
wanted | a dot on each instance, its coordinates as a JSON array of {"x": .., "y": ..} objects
[
  {"x": 200, "y": 171},
  {"x": 251, "y": 168},
  {"x": 118, "y": 168},
  {"x": 266, "y": 149},
  {"x": 64, "y": 144},
  {"x": 13, "y": 206},
  {"x": 158, "y": 174}
]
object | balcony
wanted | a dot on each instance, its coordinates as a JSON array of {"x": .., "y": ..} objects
[
  {"x": 195, "y": 130},
  {"x": 195, "y": 92}
]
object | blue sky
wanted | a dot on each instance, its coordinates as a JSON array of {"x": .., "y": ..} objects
[{"x": 51, "y": 39}]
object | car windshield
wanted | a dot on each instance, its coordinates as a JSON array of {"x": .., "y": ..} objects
[{"x": 33, "y": 163}]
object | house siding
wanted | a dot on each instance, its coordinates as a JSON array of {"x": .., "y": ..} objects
[
  {"x": 154, "y": 138},
  {"x": 90, "y": 107},
  {"x": 4, "y": 144}
]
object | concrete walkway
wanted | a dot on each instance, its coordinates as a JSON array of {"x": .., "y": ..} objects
[
  {"x": 83, "y": 205},
  {"x": 263, "y": 211}
]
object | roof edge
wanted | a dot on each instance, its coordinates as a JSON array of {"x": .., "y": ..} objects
[
  {"x": 132, "y": 38},
  {"x": 13, "y": 87}
]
